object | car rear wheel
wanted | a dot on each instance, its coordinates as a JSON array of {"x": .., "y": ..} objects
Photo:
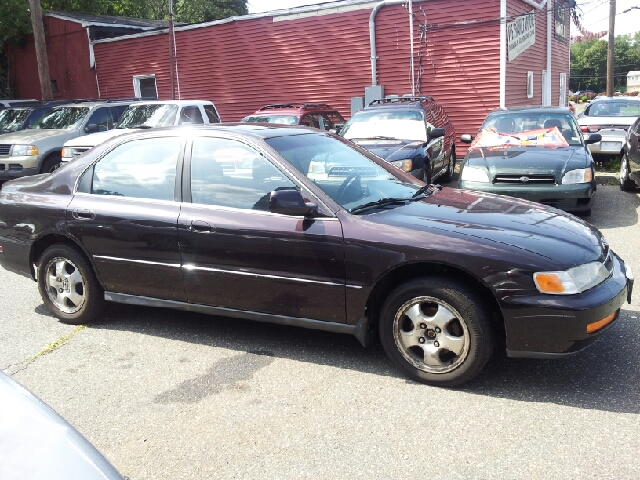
[
  {"x": 626, "y": 184},
  {"x": 68, "y": 286},
  {"x": 437, "y": 331}
]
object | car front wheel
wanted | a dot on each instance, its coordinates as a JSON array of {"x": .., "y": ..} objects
[
  {"x": 626, "y": 184},
  {"x": 68, "y": 286},
  {"x": 437, "y": 331}
]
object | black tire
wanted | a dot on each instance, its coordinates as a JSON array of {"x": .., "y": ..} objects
[
  {"x": 451, "y": 167},
  {"x": 470, "y": 327},
  {"x": 626, "y": 184},
  {"x": 426, "y": 171},
  {"x": 51, "y": 163},
  {"x": 65, "y": 305}
]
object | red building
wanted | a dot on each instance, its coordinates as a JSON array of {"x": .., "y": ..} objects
[
  {"x": 70, "y": 52},
  {"x": 472, "y": 59}
]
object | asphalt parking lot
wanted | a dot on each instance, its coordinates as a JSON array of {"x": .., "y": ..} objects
[{"x": 172, "y": 395}]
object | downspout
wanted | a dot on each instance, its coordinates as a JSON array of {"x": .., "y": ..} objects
[
  {"x": 503, "y": 53},
  {"x": 547, "y": 101},
  {"x": 372, "y": 36}
]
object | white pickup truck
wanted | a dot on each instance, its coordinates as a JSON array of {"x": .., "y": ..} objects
[{"x": 141, "y": 115}]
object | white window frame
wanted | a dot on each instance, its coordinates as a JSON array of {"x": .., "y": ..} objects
[
  {"x": 529, "y": 84},
  {"x": 563, "y": 90},
  {"x": 136, "y": 84}
]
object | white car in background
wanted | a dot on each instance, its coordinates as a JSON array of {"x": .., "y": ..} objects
[
  {"x": 143, "y": 115},
  {"x": 611, "y": 117}
]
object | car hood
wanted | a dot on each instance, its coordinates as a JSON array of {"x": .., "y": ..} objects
[
  {"x": 551, "y": 235},
  {"x": 29, "y": 135},
  {"x": 391, "y": 150},
  {"x": 97, "y": 138},
  {"x": 528, "y": 160},
  {"x": 607, "y": 121}
]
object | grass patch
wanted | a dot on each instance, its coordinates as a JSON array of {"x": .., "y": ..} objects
[{"x": 56, "y": 343}]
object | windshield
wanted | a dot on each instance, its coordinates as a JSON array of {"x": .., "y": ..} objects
[
  {"x": 65, "y": 118},
  {"x": 614, "y": 108},
  {"x": 148, "y": 116},
  {"x": 279, "y": 119},
  {"x": 541, "y": 124},
  {"x": 12, "y": 119},
  {"x": 347, "y": 175},
  {"x": 394, "y": 124}
]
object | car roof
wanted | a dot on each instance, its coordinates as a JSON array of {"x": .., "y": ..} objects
[
  {"x": 293, "y": 108},
  {"x": 531, "y": 109},
  {"x": 405, "y": 102},
  {"x": 256, "y": 130},
  {"x": 179, "y": 103},
  {"x": 95, "y": 104}
]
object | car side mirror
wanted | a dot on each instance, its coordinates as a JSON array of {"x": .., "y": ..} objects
[
  {"x": 290, "y": 202},
  {"x": 91, "y": 128},
  {"x": 593, "y": 138},
  {"x": 466, "y": 138},
  {"x": 436, "y": 133}
]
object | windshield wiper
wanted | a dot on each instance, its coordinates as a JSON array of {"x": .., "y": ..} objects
[
  {"x": 379, "y": 203},
  {"x": 143, "y": 126},
  {"x": 427, "y": 190},
  {"x": 377, "y": 137}
]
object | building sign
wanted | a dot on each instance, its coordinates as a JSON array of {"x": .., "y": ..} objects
[
  {"x": 521, "y": 34},
  {"x": 561, "y": 17}
]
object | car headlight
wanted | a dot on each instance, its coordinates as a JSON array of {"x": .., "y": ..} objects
[
  {"x": 581, "y": 175},
  {"x": 24, "y": 150},
  {"x": 405, "y": 165},
  {"x": 474, "y": 174},
  {"x": 575, "y": 280},
  {"x": 66, "y": 153}
]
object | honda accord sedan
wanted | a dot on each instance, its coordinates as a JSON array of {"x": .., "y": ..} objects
[
  {"x": 534, "y": 153},
  {"x": 300, "y": 227}
]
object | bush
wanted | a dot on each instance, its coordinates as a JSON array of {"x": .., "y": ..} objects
[{"x": 584, "y": 98}]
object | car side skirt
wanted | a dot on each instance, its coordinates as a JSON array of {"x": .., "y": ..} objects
[{"x": 360, "y": 330}]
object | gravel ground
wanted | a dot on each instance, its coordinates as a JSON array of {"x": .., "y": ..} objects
[{"x": 171, "y": 395}]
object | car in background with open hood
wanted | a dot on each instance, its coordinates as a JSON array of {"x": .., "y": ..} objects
[{"x": 534, "y": 153}]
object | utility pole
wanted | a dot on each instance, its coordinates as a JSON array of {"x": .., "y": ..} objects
[
  {"x": 41, "y": 49},
  {"x": 612, "y": 24},
  {"x": 171, "y": 50}
]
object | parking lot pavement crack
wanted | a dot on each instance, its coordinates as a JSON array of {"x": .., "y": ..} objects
[{"x": 14, "y": 368}]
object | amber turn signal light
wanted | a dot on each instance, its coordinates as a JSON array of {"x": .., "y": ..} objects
[
  {"x": 549, "y": 283},
  {"x": 595, "y": 326}
]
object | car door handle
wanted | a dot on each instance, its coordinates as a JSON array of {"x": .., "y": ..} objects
[
  {"x": 83, "y": 214},
  {"x": 200, "y": 226}
]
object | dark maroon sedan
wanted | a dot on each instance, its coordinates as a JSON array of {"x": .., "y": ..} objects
[{"x": 300, "y": 227}]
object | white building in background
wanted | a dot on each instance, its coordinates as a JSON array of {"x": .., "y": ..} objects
[{"x": 633, "y": 81}]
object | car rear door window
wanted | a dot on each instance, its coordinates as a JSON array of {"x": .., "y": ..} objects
[
  {"x": 229, "y": 173},
  {"x": 140, "y": 169},
  {"x": 309, "y": 121},
  {"x": 211, "y": 114},
  {"x": 190, "y": 115}
]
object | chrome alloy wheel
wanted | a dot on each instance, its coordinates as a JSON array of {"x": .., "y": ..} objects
[
  {"x": 431, "y": 335},
  {"x": 623, "y": 171},
  {"x": 65, "y": 286}
]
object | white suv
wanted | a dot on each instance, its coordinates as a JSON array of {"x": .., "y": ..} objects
[{"x": 143, "y": 115}]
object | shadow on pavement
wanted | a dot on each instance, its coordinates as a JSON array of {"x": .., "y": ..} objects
[
  {"x": 604, "y": 377},
  {"x": 614, "y": 208}
]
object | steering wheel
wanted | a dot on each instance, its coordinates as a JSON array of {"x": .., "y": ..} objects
[{"x": 351, "y": 180}]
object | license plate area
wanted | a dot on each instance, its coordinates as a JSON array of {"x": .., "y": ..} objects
[{"x": 611, "y": 146}]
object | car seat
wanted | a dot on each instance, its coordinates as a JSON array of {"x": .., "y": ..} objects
[{"x": 505, "y": 125}]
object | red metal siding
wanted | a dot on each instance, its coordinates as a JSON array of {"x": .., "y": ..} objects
[
  {"x": 246, "y": 64},
  {"x": 533, "y": 59},
  {"x": 68, "y": 52},
  {"x": 560, "y": 60}
]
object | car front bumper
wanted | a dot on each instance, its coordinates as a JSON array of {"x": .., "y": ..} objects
[
  {"x": 552, "y": 326},
  {"x": 572, "y": 198},
  {"x": 16, "y": 166}
]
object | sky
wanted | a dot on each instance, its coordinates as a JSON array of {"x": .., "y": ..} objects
[{"x": 595, "y": 13}]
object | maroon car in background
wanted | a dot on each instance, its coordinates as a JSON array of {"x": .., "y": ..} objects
[
  {"x": 312, "y": 231},
  {"x": 317, "y": 115}
]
